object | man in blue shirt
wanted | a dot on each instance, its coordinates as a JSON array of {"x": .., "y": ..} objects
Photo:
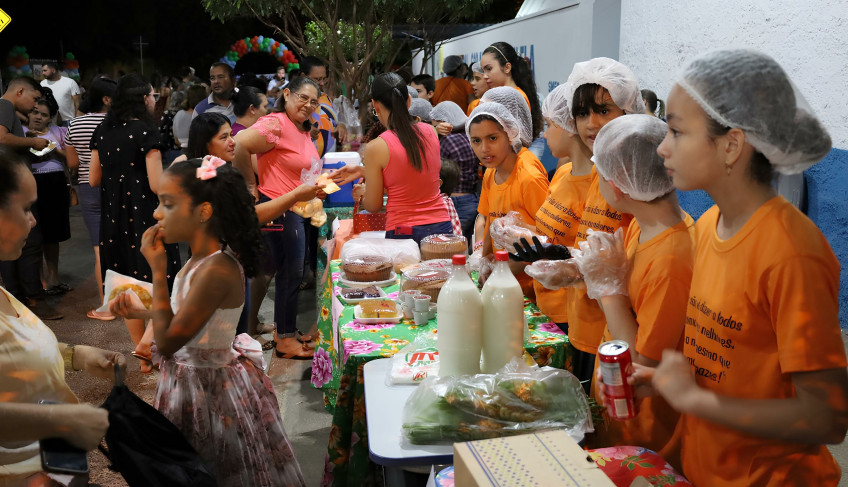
[{"x": 222, "y": 79}]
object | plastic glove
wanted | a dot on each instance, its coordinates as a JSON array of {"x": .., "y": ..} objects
[
  {"x": 487, "y": 264},
  {"x": 524, "y": 252},
  {"x": 554, "y": 274},
  {"x": 603, "y": 263}
]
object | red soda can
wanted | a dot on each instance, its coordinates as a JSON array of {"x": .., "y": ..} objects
[{"x": 615, "y": 361}]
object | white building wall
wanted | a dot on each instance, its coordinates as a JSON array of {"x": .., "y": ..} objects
[{"x": 809, "y": 38}]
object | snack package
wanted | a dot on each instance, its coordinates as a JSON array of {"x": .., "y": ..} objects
[
  {"x": 400, "y": 252},
  {"x": 519, "y": 399},
  {"x": 415, "y": 362},
  {"x": 141, "y": 293},
  {"x": 510, "y": 229}
]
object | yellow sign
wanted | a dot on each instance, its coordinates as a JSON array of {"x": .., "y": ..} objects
[{"x": 4, "y": 19}]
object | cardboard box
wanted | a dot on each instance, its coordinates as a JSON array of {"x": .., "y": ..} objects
[{"x": 550, "y": 458}]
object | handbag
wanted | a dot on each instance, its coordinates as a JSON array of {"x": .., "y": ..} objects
[{"x": 367, "y": 222}]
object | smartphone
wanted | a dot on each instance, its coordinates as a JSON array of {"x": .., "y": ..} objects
[{"x": 59, "y": 456}]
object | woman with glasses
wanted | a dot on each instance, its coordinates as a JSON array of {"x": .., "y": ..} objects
[
  {"x": 284, "y": 148},
  {"x": 126, "y": 162}
]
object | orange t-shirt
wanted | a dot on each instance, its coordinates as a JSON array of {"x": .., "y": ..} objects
[
  {"x": 452, "y": 89},
  {"x": 472, "y": 106},
  {"x": 763, "y": 305},
  {"x": 586, "y": 321},
  {"x": 658, "y": 285},
  {"x": 557, "y": 219},
  {"x": 524, "y": 191}
]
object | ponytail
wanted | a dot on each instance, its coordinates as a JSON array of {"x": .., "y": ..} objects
[
  {"x": 390, "y": 90},
  {"x": 522, "y": 75},
  {"x": 661, "y": 113}
]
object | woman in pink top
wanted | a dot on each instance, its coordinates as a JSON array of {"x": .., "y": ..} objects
[
  {"x": 403, "y": 162},
  {"x": 282, "y": 143}
]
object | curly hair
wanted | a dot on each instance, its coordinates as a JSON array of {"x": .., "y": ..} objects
[
  {"x": 129, "y": 101},
  {"x": 233, "y": 218}
]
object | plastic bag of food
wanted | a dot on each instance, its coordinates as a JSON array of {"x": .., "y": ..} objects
[
  {"x": 313, "y": 208},
  {"x": 141, "y": 293},
  {"x": 415, "y": 362},
  {"x": 401, "y": 252},
  {"x": 510, "y": 229},
  {"x": 555, "y": 274},
  {"x": 519, "y": 399}
]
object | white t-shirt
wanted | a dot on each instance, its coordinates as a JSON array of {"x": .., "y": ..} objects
[
  {"x": 182, "y": 123},
  {"x": 64, "y": 90}
]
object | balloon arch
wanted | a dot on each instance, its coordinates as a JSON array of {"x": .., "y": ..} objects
[
  {"x": 260, "y": 44},
  {"x": 17, "y": 64}
]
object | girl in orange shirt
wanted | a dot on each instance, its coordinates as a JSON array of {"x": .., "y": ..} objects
[
  {"x": 761, "y": 383},
  {"x": 502, "y": 66}
]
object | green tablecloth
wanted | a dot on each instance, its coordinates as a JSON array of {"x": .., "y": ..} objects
[{"x": 345, "y": 345}]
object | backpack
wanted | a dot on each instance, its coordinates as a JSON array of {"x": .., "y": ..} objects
[{"x": 146, "y": 448}]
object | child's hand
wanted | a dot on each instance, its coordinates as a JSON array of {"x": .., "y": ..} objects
[
  {"x": 122, "y": 305},
  {"x": 306, "y": 192},
  {"x": 358, "y": 191},
  {"x": 153, "y": 249},
  {"x": 444, "y": 128},
  {"x": 347, "y": 174},
  {"x": 554, "y": 274},
  {"x": 674, "y": 380},
  {"x": 603, "y": 262}
]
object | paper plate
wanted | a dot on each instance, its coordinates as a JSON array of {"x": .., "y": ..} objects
[
  {"x": 382, "y": 294},
  {"x": 357, "y": 312}
]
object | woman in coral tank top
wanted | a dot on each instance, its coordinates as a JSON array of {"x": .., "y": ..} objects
[{"x": 404, "y": 163}]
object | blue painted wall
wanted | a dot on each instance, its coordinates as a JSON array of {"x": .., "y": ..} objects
[{"x": 827, "y": 206}]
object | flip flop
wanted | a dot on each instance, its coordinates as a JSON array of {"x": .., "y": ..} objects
[
  {"x": 291, "y": 356},
  {"x": 304, "y": 338},
  {"x": 269, "y": 345},
  {"x": 97, "y": 315},
  {"x": 58, "y": 289},
  {"x": 147, "y": 364}
]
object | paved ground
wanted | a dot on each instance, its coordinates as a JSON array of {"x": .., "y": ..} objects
[{"x": 306, "y": 421}]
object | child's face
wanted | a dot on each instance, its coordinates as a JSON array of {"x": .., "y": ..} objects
[
  {"x": 493, "y": 73},
  {"x": 490, "y": 143},
  {"x": 608, "y": 194},
  {"x": 222, "y": 144},
  {"x": 590, "y": 121},
  {"x": 479, "y": 85},
  {"x": 560, "y": 141},
  {"x": 178, "y": 220},
  {"x": 692, "y": 158},
  {"x": 422, "y": 92}
]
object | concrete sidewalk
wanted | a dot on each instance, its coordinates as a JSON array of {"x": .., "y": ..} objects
[{"x": 306, "y": 421}]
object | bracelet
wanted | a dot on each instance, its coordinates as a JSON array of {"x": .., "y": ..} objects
[{"x": 68, "y": 357}]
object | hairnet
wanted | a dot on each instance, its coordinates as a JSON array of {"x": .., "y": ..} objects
[
  {"x": 477, "y": 68},
  {"x": 419, "y": 107},
  {"x": 557, "y": 106},
  {"x": 503, "y": 116},
  {"x": 448, "y": 111},
  {"x": 748, "y": 90},
  {"x": 515, "y": 103},
  {"x": 610, "y": 74},
  {"x": 451, "y": 63},
  {"x": 413, "y": 93},
  {"x": 625, "y": 153}
]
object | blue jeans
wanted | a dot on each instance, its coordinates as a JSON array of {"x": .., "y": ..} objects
[
  {"x": 420, "y": 231},
  {"x": 287, "y": 249},
  {"x": 466, "y": 208}
]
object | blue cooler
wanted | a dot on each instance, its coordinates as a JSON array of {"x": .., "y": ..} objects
[{"x": 336, "y": 160}]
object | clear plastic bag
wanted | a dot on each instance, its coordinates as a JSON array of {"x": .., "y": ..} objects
[
  {"x": 402, "y": 252},
  {"x": 555, "y": 274},
  {"x": 519, "y": 399},
  {"x": 510, "y": 229},
  {"x": 313, "y": 208},
  {"x": 415, "y": 362}
]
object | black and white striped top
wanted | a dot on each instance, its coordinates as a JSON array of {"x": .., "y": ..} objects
[{"x": 80, "y": 131}]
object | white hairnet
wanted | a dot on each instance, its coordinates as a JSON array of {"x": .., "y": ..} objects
[
  {"x": 513, "y": 101},
  {"x": 748, "y": 90},
  {"x": 610, "y": 74},
  {"x": 626, "y": 154},
  {"x": 477, "y": 67},
  {"x": 413, "y": 93},
  {"x": 419, "y": 107},
  {"x": 503, "y": 117},
  {"x": 557, "y": 106},
  {"x": 448, "y": 111}
]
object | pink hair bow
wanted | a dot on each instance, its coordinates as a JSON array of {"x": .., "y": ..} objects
[{"x": 208, "y": 168}]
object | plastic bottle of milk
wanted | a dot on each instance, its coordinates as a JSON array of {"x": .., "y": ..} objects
[
  {"x": 503, "y": 316},
  {"x": 459, "y": 318}
]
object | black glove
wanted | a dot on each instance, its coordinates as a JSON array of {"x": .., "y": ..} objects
[{"x": 538, "y": 251}]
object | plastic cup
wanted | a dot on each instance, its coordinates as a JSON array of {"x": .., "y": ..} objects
[
  {"x": 406, "y": 296},
  {"x": 421, "y": 317},
  {"x": 407, "y": 312},
  {"x": 421, "y": 302}
]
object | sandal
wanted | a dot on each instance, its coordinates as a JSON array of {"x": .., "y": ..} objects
[
  {"x": 58, "y": 289},
  {"x": 303, "y": 354},
  {"x": 304, "y": 338},
  {"x": 269, "y": 345},
  {"x": 97, "y": 315},
  {"x": 147, "y": 364}
]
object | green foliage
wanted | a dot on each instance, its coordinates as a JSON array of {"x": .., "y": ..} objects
[{"x": 352, "y": 38}]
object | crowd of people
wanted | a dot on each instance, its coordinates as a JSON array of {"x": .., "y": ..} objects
[{"x": 731, "y": 320}]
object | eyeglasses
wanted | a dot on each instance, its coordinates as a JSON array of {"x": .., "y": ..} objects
[
  {"x": 155, "y": 96},
  {"x": 305, "y": 100}
]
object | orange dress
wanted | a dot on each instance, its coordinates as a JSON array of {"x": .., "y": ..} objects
[{"x": 452, "y": 89}]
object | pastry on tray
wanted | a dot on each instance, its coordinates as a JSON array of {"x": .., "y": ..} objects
[
  {"x": 360, "y": 292},
  {"x": 443, "y": 246},
  {"x": 378, "y": 308},
  {"x": 427, "y": 281},
  {"x": 367, "y": 269}
]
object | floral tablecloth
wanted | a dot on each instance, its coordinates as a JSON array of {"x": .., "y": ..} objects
[{"x": 345, "y": 345}]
